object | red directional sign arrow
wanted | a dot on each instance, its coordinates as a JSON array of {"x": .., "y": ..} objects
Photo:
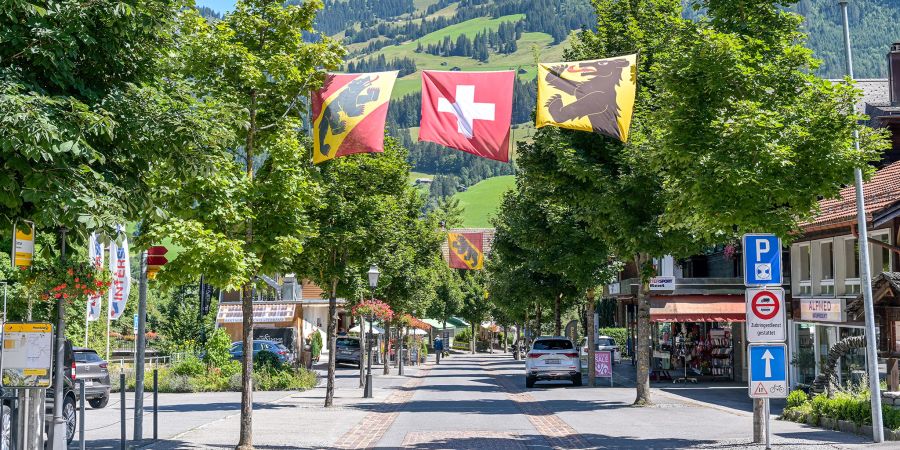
[
  {"x": 765, "y": 305},
  {"x": 157, "y": 250}
]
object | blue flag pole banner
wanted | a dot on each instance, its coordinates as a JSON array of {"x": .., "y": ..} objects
[{"x": 95, "y": 255}]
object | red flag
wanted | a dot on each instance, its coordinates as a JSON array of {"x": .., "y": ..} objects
[
  {"x": 468, "y": 111},
  {"x": 466, "y": 250}
]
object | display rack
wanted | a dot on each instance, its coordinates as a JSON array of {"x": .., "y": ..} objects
[{"x": 721, "y": 358}]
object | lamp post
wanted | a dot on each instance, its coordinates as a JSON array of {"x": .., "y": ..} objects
[
  {"x": 865, "y": 272},
  {"x": 373, "y": 282}
]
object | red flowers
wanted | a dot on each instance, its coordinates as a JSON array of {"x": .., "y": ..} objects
[{"x": 377, "y": 308}]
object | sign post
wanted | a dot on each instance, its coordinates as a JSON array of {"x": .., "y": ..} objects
[{"x": 766, "y": 325}]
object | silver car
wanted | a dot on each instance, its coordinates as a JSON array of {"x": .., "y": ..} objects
[
  {"x": 95, "y": 373},
  {"x": 348, "y": 351},
  {"x": 552, "y": 358}
]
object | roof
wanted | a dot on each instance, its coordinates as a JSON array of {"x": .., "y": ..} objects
[
  {"x": 487, "y": 243},
  {"x": 885, "y": 289},
  {"x": 874, "y": 92},
  {"x": 881, "y": 191}
]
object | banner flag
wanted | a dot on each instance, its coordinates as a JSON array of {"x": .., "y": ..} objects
[
  {"x": 468, "y": 111},
  {"x": 95, "y": 256},
  {"x": 593, "y": 95},
  {"x": 23, "y": 245},
  {"x": 466, "y": 250},
  {"x": 120, "y": 268},
  {"x": 349, "y": 114}
]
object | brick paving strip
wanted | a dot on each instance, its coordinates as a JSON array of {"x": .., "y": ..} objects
[
  {"x": 374, "y": 425},
  {"x": 473, "y": 439},
  {"x": 556, "y": 431}
]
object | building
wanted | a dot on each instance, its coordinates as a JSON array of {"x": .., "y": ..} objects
[{"x": 285, "y": 310}]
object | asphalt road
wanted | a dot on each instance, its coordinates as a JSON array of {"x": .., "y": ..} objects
[{"x": 471, "y": 401}]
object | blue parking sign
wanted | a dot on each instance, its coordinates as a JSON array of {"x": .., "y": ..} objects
[
  {"x": 762, "y": 260},
  {"x": 768, "y": 370}
]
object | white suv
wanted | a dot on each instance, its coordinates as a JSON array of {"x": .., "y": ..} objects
[{"x": 552, "y": 358}]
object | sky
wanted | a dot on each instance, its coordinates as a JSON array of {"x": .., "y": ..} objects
[{"x": 218, "y": 5}]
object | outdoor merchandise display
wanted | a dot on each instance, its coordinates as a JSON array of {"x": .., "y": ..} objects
[{"x": 693, "y": 350}]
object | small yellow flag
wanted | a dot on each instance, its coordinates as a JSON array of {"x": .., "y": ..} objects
[{"x": 593, "y": 95}]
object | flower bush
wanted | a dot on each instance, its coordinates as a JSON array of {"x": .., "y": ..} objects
[
  {"x": 373, "y": 308},
  {"x": 67, "y": 281}
]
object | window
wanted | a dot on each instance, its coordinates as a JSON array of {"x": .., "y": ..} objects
[
  {"x": 851, "y": 258},
  {"x": 827, "y": 261},
  {"x": 348, "y": 342},
  {"x": 804, "y": 263},
  {"x": 552, "y": 344},
  {"x": 881, "y": 256}
]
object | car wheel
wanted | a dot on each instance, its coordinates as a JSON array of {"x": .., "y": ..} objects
[
  {"x": 6, "y": 420},
  {"x": 576, "y": 380},
  {"x": 99, "y": 403},
  {"x": 529, "y": 382},
  {"x": 70, "y": 415}
]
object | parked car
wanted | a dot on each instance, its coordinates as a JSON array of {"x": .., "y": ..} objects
[
  {"x": 348, "y": 351},
  {"x": 69, "y": 409},
  {"x": 606, "y": 343},
  {"x": 280, "y": 351},
  {"x": 552, "y": 358},
  {"x": 91, "y": 368}
]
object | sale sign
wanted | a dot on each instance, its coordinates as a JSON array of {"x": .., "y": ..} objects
[{"x": 603, "y": 364}]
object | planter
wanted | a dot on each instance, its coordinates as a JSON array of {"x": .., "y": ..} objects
[
  {"x": 892, "y": 435},
  {"x": 847, "y": 426},
  {"x": 812, "y": 420},
  {"x": 828, "y": 423},
  {"x": 865, "y": 430}
]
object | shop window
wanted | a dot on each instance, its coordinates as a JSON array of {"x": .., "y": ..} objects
[
  {"x": 881, "y": 256},
  {"x": 805, "y": 359}
]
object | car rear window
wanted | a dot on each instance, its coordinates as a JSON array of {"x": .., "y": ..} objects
[
  {"x": 86, "y": 357},
  {"x": 347, "y": 342},
  {"x": 552, "y": 344},
  {"x": 606, "y": 342}
]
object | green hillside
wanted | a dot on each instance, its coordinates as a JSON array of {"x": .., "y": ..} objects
[{"x": 482, "y": 200}]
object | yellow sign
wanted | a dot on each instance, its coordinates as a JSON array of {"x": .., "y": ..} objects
[
  {"x": 27, "y": 355},
  {"x": 23, "y": 246}
]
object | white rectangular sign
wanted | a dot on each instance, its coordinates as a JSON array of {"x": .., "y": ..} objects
[
  {"x": 765, "y": 315},
  {"x": 823, "y": 309},
  {"x": 27, "y": 355},
  {"x": 662, "y": 284}
]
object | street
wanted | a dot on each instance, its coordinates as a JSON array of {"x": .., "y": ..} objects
[{"x": 468, "y": 401}]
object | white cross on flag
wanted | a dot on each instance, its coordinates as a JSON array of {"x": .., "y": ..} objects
[{"x": 468, "y": 111}]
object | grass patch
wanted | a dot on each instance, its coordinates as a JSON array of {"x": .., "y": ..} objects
[{"x": 482, "y": 200}]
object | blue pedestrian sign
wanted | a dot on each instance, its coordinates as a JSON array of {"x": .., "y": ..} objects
[
  {"x": 762, "y": 260},
  {"x": 768, "y": 370}
]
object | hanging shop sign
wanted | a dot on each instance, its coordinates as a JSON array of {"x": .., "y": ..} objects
[
  {"x": 662, "y": 284},
  {"x": 823, "y": 309}
]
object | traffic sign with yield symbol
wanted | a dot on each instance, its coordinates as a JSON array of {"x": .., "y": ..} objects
[
  {"x": 768, "y": 370},
  {"x": 765, "y": 315}
]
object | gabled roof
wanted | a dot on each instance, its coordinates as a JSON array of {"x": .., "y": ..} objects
[{"x": 881, "y": 191}]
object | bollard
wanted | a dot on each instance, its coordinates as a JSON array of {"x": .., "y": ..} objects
[
  {"x": 155, "y": 403},
  {"x": 81, "y": 443},
  {"x": 122, "y": 410}
]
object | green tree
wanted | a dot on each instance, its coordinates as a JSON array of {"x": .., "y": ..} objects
[
  {"x": 363, "y": 197},
  {"x": 448, "y": 212},
  {"x": 750, "y": 140},
  {"x": 250, "y": 214},
  {"x": 610, "y": 186}
]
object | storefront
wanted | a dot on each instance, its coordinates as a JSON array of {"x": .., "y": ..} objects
[
  {"x": 818, "y": 324},
  {"x": 697, "y": 337}
]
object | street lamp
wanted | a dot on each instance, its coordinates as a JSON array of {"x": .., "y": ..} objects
[{"x": 373, "y": 282}]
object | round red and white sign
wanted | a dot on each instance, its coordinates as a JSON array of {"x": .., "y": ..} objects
[{"x": 765, "y": 305}]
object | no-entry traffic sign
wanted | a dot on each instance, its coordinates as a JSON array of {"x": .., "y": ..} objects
[{"x": 765, "y": 315}]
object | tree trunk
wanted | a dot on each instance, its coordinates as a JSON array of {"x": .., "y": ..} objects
[
  {"x": 557, "y": 317},
  {"x": 759, "y": 420},
  {"x": 643, "y": 344},
  {"x": 387, "y": 348},
  {"x": 332, "y": 342},
  {"x": 591, "y": 330},
  {"x": 539, "y": 317},
  {"x": 245, "y": 441},
  {"x": 474, "y": 338},
  {"x": 505, "y": 338}
]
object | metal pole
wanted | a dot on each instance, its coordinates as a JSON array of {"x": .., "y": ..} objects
[
  {"x": 122, "y": 432},
  {"x": 81, "y": 443},
  {"x": 368, "y": 389},
  {"x": 141, "y": 344},
  {"x": 400, "y": 351},
  {"x": 58, "y": 428},
  {"x": 155, "y": 404},
  {"x": 865, "y": 270}
]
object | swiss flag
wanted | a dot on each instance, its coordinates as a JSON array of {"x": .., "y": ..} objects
[{"x": 468, "y": 111}]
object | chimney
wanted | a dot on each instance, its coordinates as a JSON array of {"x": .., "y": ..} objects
[{"x": 894, "y": 73}]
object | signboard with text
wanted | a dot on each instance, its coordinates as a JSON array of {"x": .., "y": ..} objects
[
  {"x": 27, "y": 355},
  {"x": 603, "y": 364},
  {"x": 823, "y": 309},
  {"x": 662, "y": 284},
  {"x": 765, "y": 315}
]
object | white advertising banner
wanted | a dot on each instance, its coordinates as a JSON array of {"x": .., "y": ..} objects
[
  {"x": 120, "y": 268},
  {"x": 95, "y": 255}
]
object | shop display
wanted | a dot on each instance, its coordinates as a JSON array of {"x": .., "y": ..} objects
[{"x": 694, "y": 350}]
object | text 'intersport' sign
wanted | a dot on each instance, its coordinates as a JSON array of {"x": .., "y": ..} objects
[{"x": 765, "y": 315}]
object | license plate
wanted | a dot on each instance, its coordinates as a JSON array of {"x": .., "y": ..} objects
[
  {"x": 551, "y": 361},
  {"x": 88, "y": 383}
]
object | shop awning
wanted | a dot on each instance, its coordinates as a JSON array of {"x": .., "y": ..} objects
[
  {"x": 261, "y": 313},
  {"x": 698, "y": 308}
]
